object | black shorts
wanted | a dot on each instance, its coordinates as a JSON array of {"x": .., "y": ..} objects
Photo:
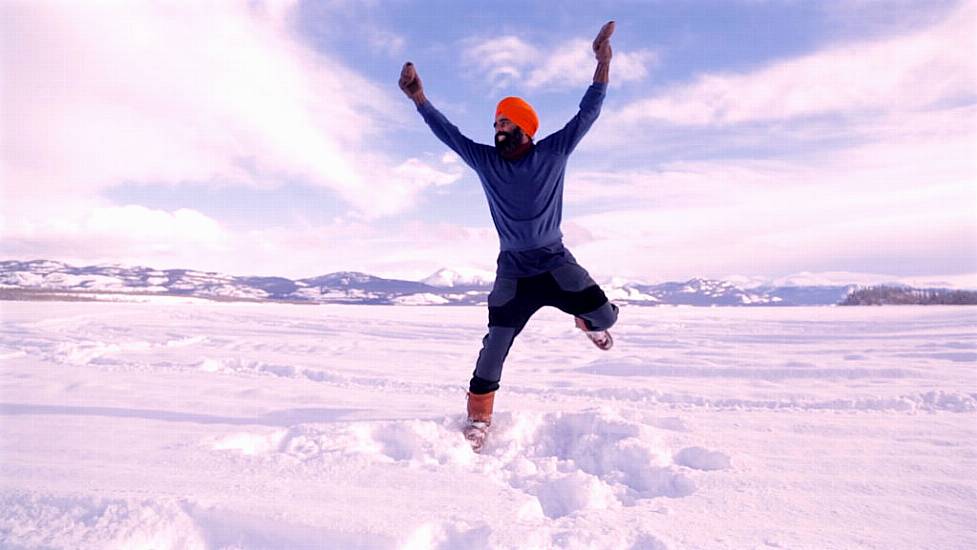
[{"x": 569, "y": 288}]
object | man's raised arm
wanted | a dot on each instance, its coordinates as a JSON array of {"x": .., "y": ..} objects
[
  {"x": 569, "y": 136},
  {"x": 472, "y": 153}
]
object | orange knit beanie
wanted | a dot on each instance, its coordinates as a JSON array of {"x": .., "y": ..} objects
[{"x": 520, "y": 113}]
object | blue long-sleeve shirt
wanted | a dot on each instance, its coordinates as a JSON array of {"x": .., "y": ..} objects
[{"x": 525, "y": 196}]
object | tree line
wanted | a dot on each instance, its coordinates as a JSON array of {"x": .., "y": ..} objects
[{"x": 895, "y": 295}]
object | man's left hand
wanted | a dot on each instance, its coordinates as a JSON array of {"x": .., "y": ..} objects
[{"x": 602, "y": 44}]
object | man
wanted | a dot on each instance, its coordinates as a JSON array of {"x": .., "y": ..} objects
[{"x": 523, "y": 182}]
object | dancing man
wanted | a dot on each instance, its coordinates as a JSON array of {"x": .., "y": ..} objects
[{"x": 523, "y": 182}]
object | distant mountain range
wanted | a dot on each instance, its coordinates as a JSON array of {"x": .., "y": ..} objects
[{"x": 46, "y": 280}]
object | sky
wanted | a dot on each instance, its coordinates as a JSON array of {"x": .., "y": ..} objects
[{"x": 754, "y": 141}]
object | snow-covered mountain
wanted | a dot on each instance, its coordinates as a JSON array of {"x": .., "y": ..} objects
[
  {"x": 44, "y": 279},
  {"x": 460, "y": 278},
  {"x": 704, "y": 292}
]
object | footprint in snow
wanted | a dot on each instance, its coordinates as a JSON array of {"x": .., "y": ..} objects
[{"x": 570, "y": 462}]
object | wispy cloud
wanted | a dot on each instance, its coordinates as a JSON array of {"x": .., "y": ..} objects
[
  {"x": 500, "y": 61},
  {"x": 96, "y": 231},
  {"x": 386, "y": 42},
  {"x": 572, "y": 65},
  {"x": 886, "y": 207},
  {"x": 509, "y": 61},
  {"x": 101, "y": 94},
  {"x": 412, "y": 249},
  {"x": 92, "y": 230},
  {"x": 97, "y": 96},
  {"x": 855, "y": 157},
  {"x": 903, "y": 73}
]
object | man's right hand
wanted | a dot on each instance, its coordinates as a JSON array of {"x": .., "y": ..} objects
[{"x": 410, "y": 83}]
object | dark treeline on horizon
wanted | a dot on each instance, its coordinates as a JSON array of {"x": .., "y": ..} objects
[{"x": 894, "y": 295}]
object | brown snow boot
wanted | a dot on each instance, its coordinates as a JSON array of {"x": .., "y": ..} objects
[
  {"x": 480, "y": 407},
  {"x": 479, "y": 418}
]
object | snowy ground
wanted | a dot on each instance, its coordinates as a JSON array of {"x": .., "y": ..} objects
[{"x": 274, "y": 426}]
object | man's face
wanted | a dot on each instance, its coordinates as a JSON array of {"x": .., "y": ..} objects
[{"x": 508, "y": 136}]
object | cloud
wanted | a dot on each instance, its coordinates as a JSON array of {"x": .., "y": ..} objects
[
  {"x": 904, "y": 73},
  {"x": 97, "y": 95},
  {"x": 415, "y": 172},
  {"x": 856, "y": 158},
  {"x": 509, "y": 61},
  {"x": 101, "y": 232},
  {"x": 502, "y": 61},
  {"x": 386, "y": 42},
  {"x": 94, "y": 231},
  {"x": 391, "y": 190},
  {"x": 905, "y": 209},
  {"x": 904, "y": 155},
  {"x": 572, "y": 65},
  {"x": 412, "y": 249},
  {"x": 166, "y": 229},
  {"x": 773, "y": 237}
]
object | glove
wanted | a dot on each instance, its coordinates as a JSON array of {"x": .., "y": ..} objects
[
  {"x": 410, "y": 83},
  {"x": 602, "y": 44}
]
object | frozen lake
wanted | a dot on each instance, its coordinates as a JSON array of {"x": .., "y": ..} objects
[{"x": 259, "y": 426}]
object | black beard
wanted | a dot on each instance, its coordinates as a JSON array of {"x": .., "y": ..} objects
[{"x": 512, "y": 140}]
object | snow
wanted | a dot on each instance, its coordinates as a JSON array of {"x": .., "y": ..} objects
[
  {"x": 134, "y": 297},
  {"x": 22, "y": 279},
  {"x": 423, "y": 298},
  {"x": 237, "y": 425}
]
